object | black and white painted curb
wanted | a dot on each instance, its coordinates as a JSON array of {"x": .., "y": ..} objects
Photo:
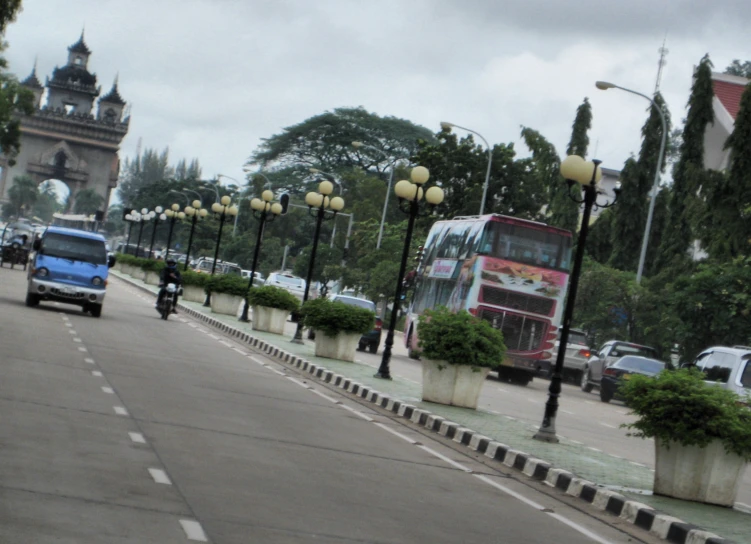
[{"x": 657, "y": 523}]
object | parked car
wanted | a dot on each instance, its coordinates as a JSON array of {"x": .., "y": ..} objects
[
  {"x": 606, "y": 356},
  {"x": 577, "y": 354},
  {"x": 370, "y": 340},
  {"x": 622, "y": 369},
  {"x": 258, "y": 277},
  {"x": 728, "y": 367},
  {"x": 288, "y": 282},
  {"x": 205, "y": 265}
]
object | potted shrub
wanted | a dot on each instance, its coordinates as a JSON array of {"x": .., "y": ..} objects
[
  {"x": 227, "y": 293},
  {"x": 702, "y": 434},
  {"x": 458, "y": 352},
  {"x": 137, "y": 272},
  {"x": 338, "y": 327},
  {"x": 124, "y": 263},
  {"x": 271, "y": 308},
  {"x": 152, "y": 270},
  {"x": 194, "y": 285}
]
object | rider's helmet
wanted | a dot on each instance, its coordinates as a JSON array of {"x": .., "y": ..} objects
[{"x": 171, "y": 263}]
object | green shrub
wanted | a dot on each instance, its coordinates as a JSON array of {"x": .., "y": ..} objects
[
  {"x": 460, "y": 339},
  {"x": 151, "y": 265},
  {"x": 679, "y": 406},
  {"x": 194, "y": 278},
  {"x": 126, "y": 259},
  {"x": 226, "y": 283},
  {"x": 335, "y": 317},
  {"x": 273, "y": 297}
]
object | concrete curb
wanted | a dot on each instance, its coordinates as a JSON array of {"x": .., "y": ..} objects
[{"x": 657, "y": 523}]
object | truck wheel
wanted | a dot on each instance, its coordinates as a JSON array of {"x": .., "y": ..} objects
[
  {"x": 584, "y": 381},
  {"x": 32, "y": 300},
  {"x": 361, "y": 346},
  {"x": 96, "y": 310}
]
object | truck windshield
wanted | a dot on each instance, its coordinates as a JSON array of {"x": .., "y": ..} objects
[{"x": 74, "y": 247}]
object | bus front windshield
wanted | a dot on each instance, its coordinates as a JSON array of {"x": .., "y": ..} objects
[{"x": 522, "y": 244}]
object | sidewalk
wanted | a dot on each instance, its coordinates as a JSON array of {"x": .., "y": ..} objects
[{"x": 597, "y": 477}]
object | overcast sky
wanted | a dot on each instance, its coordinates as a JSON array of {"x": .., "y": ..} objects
[{"x": 210, "y": 78}]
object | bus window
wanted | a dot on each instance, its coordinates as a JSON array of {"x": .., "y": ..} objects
[
  {"x": 537, "y": 247},
  {"x": 433, "y": 293}
]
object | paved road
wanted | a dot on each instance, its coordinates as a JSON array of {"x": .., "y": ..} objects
[
  {"x": 581, "y": 416},
  {"x": 131, "y": 429}
]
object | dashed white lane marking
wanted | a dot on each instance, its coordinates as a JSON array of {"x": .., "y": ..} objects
[
  {"x": 108, "y": 390},
  {"x": 392, "y": 431},
  {"x": 502, "y": 390},
  {"x": 160, "y": 476},
  {"x": 509, "y": 417},
  {"x": 181, "y": 320},
  {"x": 214, "y": 336},
  {"x": 255, "y": 360},
  {"x": 357, "y": 413},
  {"x": 193, "y": 530},
  {"x": 137, "y": 438},
  {"x": 82, "y": 349},
  {"x": 96, "y": 373},
  {"x": 89, "y": 360},
  {"x": 607, "y": 425},
  {"x": 76, "y": 339},
  {"x": 226, "y": 343},
  {"x": 594, "y": 449},
  {"x": 331, "y": 399},
  {"x": 576, "y": 442},
  {"x": 71, "y": 331},
  {"x": 494, "y": 412},
  {"x": 567, "y": 412},
  {"x": 529, "y": 399},
  {"x": 204, "y": 331},
  {"x": 590, "y": 402},
  {"x": 445, "y": 459},
  {"x": 192, "y": 325},
  {"x": 637, "y": 464},
  {"x": 298, "y": 382},
  {"x": 241, "y": 352},
  {"x": 119, "y": 410},
  {"x": 69, "y": 324}
]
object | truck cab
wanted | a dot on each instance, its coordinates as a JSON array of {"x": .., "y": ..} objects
[{"x": 69, "y": 266}]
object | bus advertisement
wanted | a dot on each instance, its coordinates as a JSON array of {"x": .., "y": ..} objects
[{"x": 511, "y": 272}]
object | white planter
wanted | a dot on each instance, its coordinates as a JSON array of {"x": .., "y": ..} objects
[
  {"x": 708, "y": 475},
  {"x": 456, "y": 385},
  {"x": 151, "y": 278},
  {"x": 269, "y": 319},
  {"x": 193, "y": 293},
  {"x": 127, "y": 269},
  {"x": 342, "y": 346},
  {"x": 137, "y": 273},
  {"x": 222, "y": 303}
]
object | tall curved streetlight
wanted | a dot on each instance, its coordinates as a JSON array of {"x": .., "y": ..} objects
[
  {"x": 445, "y": 125},
  {"x": 132, "y": 217},
  {"x": 317, "y": 205},
  {"x": 604, "y": 86},
  {"x": 222, "y": 210},
  {"x": 195, "y": 212},
  {"x": 341, "y": 190},
  {"x": 173, "y": 213},
  {"x": 358, "y": 145},
  {"x": 143, "y": 216},
  {"x": 410, "y": 194},
  {"x": 157, "y": 216},
  {"x": 265, "y": 211},
  {"x": 584, "y": 175}
]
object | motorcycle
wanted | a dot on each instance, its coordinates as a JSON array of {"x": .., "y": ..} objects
[{"x": 168, "y": 300}]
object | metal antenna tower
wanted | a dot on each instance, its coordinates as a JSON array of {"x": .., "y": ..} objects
[{"x": 663, "y": 51}]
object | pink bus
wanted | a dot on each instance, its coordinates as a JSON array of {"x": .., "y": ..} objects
[{"x": 510, "y": 272}]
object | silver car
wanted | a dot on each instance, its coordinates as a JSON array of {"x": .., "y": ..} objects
[
  {"x": 577, "y": 354},
  {"x": 288, "y": 282},
  {"x": 606, "y": 356},
  {"x": 728, "y": 367}
]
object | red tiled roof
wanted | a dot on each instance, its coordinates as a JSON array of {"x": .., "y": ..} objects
[{"x": 730, "y": 95}]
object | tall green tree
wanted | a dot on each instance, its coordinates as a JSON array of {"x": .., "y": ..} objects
[
  {"x": 563, "y": 211},
  {"x": 149, "y": 167},
  {"x": 599, "y": 241},
  {"x": 22, "y": 196},
  {"x": 88, "y": 202},
  {"x": 47, "y": 203},
  {"x": 678, "y": 235},
  {"x": 738, "y": 68}
]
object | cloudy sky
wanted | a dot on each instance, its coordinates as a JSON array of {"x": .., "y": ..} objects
[{"x": 210, "y": 78}]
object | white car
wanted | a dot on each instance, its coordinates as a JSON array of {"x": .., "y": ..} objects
[
  {"x": 288, "y": 282},
  {"x": 258, "y": 276}
]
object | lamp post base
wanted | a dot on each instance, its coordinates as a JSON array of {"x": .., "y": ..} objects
[
  {"x": 207, "y": 302},
  {"x": 547, "y": 433},
  {"x": 382, "y": 376}
]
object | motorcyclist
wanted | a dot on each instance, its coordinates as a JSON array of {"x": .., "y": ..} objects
[{"x": 169, "y": 274}]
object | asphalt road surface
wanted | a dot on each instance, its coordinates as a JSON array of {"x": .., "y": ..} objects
[{"x": 130, "y": 429}]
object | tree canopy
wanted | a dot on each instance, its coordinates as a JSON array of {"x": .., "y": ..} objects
[{"x": 738, "y": 68}]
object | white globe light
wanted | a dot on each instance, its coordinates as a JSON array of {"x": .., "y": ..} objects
[
  {"x": 325, "y": 187},
  {"x": 276, "y": 208},
  {"x": 256, "y": 204},
  {"x": 225, "y": 200},
  {"x": 196, "y": 204},
  {"x": 420, "y": 174},
  {"x": 176, "y": 207},
  {"x": 314, "y": 200},
  {"x": 158, "y": 209},
  {"x": 233, "y": 210},
  {"x": 434, "y": 195},
  {"x": 337, "y": 203},
  {"x": 190, "y": 210},
  {"x": 144, "y": 211},
  {"x": 404, "y": 189},
  {"x": 203, "y": 212},
  {"x": 267, "y": 195},
  {"x": 216, "y": 207},
  {"x": 574, "y": 168},
  {"x": 181, "y": 215},
  {"x": 163, "y": 217}
]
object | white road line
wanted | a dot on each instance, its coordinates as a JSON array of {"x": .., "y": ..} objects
[
  {"x": 72, "y": 331},
  {"x": 298, "y": 382},
  {"x": 357, "y": 413},
  {"x": 69, "y": 324},
  {"x": 255, "y": 360},
  {"x": 192, "y": 325},
  {"x": 594, "y": 449},
  {"x": 576, "y": 442},
  {"x": 76, "y": 339},
  {"x": 579, "y": 528},
  {"x": 193, "y": 530},
  {"x": 214, "y": 336},
  {"x": 332, "y": 399},
  {"x": 502, "y": 390},
  {"x": 607, "y": 425},
  {"x": 590, "y": 402},
  {"x": 278, "y": 372},
  {"x": 226, "y": 343},
  {"x": 89, "y": 360},
  {"x": 160, "y": 476},
  {"x": 204, "y": 331},
  {"x": 119, "y": 410},
  {"x": 745, "y": 508},
  {"x": 137, "y": 438},
  {"x": 392, "y": 431},
  {"x": 509, "y": 417},
  {"x": 531, "y": 399},
  {"x": 637, "y": 464},
  {"x": 405, "y": 379},
  {"x": 81, "y": 348},
  {"x": 96, "y": 373},
  {"x": 494, "y": 412},
  {"x": 567, "y": 412},
  {"x": 241, "y": 352},
  {"x": 181, "y": 320},
  {"x": 108, "y": 390},
  {"x": 444, "y": 458}
]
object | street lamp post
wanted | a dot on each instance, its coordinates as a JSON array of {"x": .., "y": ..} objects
[
  {"x": 158, "y": 216},
  {"x": 358, "y": 145},
  {"x": 173, "y": 214},
  {"x": 319, "y": 202},
  {"x": 265, "y": 212},
  {"x": 132, "y": 217},
  {"x": 448, "y": 126},
  {"x": 222, "y": 209},
  {"x": 144, "y": 216},
  {"x": 410, "y": 194},
  {"x": 584, "y": 175},
  {"x": 195, "y": 212},
  {"x": 341, "y": 189},
  {"x": 604, "y": 86}
]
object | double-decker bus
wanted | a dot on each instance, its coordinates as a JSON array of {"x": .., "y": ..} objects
[{"x": 511, "y": 272}]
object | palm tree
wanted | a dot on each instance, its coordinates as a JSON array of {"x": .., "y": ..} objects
[
  {"x": 87, "y": 202},
  {"x": 21, "y": 196}
]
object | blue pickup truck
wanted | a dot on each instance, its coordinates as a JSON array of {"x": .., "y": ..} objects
[{"x": 69, "y": 266}]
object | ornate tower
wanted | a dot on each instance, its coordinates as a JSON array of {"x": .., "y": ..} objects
[{"x": 65, "y": 138}]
